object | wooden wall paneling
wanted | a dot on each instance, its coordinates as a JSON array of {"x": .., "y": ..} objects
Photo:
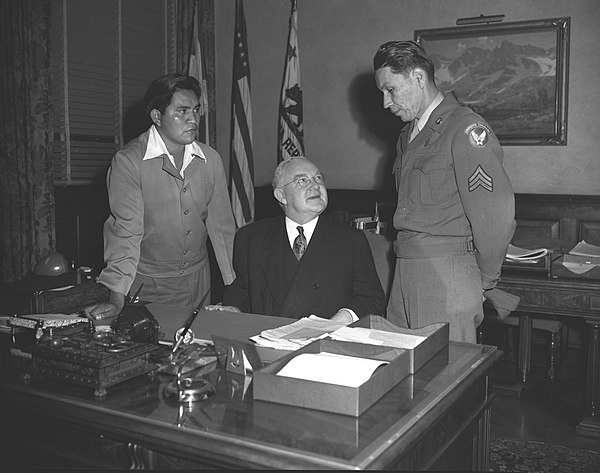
[
  {"x": 529, "y": 228},
  {"x": 589, "y": 230}
]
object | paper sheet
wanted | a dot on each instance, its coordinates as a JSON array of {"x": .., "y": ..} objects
[
  {"x": 523, "y": 255},
  {"x": 331, "y": 368},
  {"x": 582, "y": 258},
  {"x": 297, "y": 334},
  {"x": 377, "y": 337},
  {"x": 585, "y": 249}
]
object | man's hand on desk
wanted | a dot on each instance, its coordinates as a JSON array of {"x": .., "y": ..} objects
[
  {"x": 106, "y": 310},
  {"x": 227, "y": 308}
]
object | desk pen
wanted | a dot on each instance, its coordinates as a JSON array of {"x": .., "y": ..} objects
[
  {"x": 132, "y": 300},
  {"x": 189, "y": 323}
]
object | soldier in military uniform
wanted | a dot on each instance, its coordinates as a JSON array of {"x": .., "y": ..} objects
[{"x": 455, "y": 211}]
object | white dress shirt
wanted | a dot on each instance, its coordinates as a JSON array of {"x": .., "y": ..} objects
[
  {"x": 292, "y": 231},
  {"x": 422, "y": 120},
  {"x": 156, "y": 147}
]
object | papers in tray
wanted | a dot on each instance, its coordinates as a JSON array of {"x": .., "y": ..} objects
[
  {"x": 377, "y": 337},
  {"x": 331, "y": 368},
  {"x": 523, "y": 255},
  {"x": 298, "y": 334},
  {"x": 582, "y": 257}
]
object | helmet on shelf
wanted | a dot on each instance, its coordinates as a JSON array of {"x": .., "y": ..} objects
[{"x": 54, "y": 264}]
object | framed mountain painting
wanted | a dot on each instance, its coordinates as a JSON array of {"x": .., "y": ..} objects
[{"x": 515, "y": 75}]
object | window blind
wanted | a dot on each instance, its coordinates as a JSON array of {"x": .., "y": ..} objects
[{"x": 105, "y": 53}]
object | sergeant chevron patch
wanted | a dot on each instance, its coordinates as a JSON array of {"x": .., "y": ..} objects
[{"x": 480, "y": 179}]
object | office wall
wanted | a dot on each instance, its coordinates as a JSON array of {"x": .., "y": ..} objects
[{"x": 347, "y": 131}]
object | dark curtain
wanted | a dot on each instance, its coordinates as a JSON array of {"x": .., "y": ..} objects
[
  {"x": 206, "y": 28},
  {"x": 26, "y": 187}
]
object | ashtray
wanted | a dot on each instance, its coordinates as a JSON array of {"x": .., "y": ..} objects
[{"x": 188, "y": 390}]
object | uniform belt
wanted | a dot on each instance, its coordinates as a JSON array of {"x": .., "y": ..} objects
[{"x": 413, "y": 250}]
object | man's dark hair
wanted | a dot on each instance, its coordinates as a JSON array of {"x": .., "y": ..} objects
[
  {"x": 161, "y": 90},
  {"x": 402, "y": 57}
]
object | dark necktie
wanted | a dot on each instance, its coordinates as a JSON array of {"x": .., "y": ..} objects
[{"x": 300, "y": 243}]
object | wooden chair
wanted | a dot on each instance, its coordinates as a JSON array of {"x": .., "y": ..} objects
[{"x": 505, "y": 334}]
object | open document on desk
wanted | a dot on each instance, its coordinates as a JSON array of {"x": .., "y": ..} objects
[
  {"x": 309, "y": 329},
  {"x": 297, "y": 334}
]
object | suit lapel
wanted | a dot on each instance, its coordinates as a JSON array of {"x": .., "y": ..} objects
[{"x": 275, "y": 250}]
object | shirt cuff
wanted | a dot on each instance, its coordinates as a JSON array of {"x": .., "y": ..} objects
[{"x": 351, "y": 312}]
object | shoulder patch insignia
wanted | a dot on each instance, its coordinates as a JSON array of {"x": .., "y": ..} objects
[
  {"x": 478, "y": 134},
  {"x": 481, "y": 179}
]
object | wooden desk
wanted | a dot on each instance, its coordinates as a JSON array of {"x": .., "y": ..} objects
[
  {"x": 438, "y": 418},
  {"x": 567, "y": 297}
]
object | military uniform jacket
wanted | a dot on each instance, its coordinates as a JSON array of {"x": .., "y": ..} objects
[
  {"x": 451, "y": 183},
  {"x": 336, "y": 271}
]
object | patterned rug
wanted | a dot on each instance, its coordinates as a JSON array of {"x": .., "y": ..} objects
[{"x": 517, "y": 455}]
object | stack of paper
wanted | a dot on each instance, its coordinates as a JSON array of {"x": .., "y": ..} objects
[
  {"x": 377, "y": 337},
  {"x": 522, "y": 255},
  {"x": 297, "y": 334},
  {"x": 582, "y": 257},
  {"x": 331, "y": 368}
]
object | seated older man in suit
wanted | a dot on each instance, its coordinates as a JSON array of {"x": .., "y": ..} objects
[{"x": 303, "y": 263}]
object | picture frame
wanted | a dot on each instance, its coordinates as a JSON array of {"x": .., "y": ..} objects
[{"x": 515, "y": 75}]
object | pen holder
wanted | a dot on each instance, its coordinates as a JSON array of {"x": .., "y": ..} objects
[{"x": 237, "y": 356}]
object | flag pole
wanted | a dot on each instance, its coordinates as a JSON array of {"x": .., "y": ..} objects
[
  {"x": 290, "y": 133},
  {"x": 241, "y": 168},
  {"x": 196, "y": 69}
]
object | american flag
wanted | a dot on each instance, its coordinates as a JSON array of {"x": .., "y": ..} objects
[
  {"x": 196, "y": 69},
  {"x": 241, "y": 169},
  {"x": 290, "y": 133}
]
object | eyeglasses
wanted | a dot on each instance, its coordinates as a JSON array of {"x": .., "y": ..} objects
[{"x": 305, "y": 181}]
